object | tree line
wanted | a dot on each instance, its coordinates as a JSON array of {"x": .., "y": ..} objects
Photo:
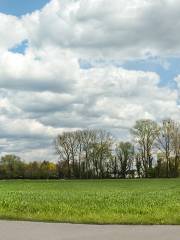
[
  {"x": 154, "y": 151},
  {"x": 13, "y": 167}
]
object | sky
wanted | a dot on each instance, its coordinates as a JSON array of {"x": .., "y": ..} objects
[
  {"x": 76, "y": 64},
  {"x": 19, "y": 7}
]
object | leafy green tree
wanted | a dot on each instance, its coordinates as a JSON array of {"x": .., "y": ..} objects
[
  {"x": 125, "y": 156},
  {"x": 12, "y": 166}
]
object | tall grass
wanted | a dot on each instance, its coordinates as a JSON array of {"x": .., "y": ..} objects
[{"x": 92, "y": 201}]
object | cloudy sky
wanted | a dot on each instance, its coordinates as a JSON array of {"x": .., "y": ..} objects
[{"x": 70, "y": 64}]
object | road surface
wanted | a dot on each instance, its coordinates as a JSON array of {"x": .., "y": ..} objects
[{"x": 10, "y": 230}]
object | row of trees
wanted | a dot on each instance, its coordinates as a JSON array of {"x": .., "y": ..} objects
[
  {"x": 12, "y": 167},
  {"x": 153, "y": 152}
]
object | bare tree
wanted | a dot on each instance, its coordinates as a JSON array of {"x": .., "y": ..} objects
[
  {"x": 164, "y": 141},
  {"x": 87, "y": 136},
  {"x": 79, "y": 151},
  {"x": 175, "y": 144},
  {"x": 72, "y": 139},
  {"x": 103, "y": 149},
  {"x": 145, "y": 132},
  {"x": 63, "y": 149},
  {"x": 92, "y": 153}
]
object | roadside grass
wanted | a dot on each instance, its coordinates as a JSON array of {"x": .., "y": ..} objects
[{"x": 139, "y": 201}]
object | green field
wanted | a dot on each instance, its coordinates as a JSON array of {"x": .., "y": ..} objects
[{"x": 92, "y": 201}]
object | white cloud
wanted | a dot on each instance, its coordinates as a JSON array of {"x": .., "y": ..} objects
[
  {"x": 11, "y": 30},
  {"x": 26, "y": 128},
  {"x": 45, "y": 70},
  {"x": 100, "y": 29},
  {"x": 127, "y": 95},
  {"x": 109, "y": 97},
  {"x": 177, "y": 79},
  {"x": 44, "y": 91}
]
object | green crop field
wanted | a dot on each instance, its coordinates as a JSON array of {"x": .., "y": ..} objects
[{"x": 92, "y": 201}]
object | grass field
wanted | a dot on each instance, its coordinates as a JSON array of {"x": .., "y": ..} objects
[{"x": 92, "y": 201}]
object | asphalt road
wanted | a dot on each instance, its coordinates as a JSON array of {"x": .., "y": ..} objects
[{"x": 56, "y": 231}]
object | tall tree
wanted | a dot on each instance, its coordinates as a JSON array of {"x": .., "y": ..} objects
[
  {"x": 12, "y": 167},
  {"x": 125, "y": 156},
  {"x": 145, "y": 133},
  {"x": 164, "y": 141},
  {"x": 101, "y": 152},
  {"x": 63, "y": 149},
  {"x": 88, "y": 137},
  {"x": 175, "y": 142}
]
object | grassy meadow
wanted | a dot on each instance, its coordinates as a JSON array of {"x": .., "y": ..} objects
[{"x": 138, "y": 201}]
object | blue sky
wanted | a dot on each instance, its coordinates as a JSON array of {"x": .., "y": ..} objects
[
  {"x": 167, "y": 71},
  {"x": 20, "y": 48},
  {"x": 20, "y": 7},
  {"x": 167, "y": 68}
]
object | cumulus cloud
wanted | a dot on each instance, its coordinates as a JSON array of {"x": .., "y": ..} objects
[
  {"x": 45, "y": 70},
  {"x": 12, "y": 31},
  {"x": 41, "y": 103},
  {"x": 107, "y": 97},
  {"x": 44, "y": 90},
  {"x": 122, "y": 29},
  {"x": 124, "y": 96}
]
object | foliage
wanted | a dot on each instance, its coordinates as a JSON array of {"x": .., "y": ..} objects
[{"x": 12, "y": 166}]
